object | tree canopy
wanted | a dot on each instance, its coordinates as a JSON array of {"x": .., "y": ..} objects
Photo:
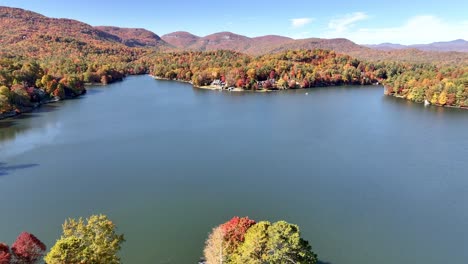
[
  {"x": 90, "y": 241},
  {"x": 261, "y": 242}
]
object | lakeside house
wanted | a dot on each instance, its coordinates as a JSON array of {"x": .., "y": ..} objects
[{"x": 218, "y": 83}]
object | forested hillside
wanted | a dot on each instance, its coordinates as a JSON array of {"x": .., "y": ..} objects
[{"x": 44, "y": 59}]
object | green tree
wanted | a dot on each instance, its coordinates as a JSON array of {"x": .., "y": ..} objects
[
  {"x": 275, "y": 243},
  {"x": 71, "y": 250},
  {"x": 254, "y": 250},
  {"x": 93, "y": 241}
]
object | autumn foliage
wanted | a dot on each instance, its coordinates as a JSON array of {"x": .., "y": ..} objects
[
  {"x": 438, "y": 85},
  {"x": 44, "y": 59},
  {"x": 91, "y": 240},
  {"x": 27, "y": 249},
  {"x": 242, "y": 240},
  {"x": 234, "y": 230},
  {"x": 5, "y": 256}
]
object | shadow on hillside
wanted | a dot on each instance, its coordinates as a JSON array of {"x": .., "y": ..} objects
[{"x": 6, "y": 169}]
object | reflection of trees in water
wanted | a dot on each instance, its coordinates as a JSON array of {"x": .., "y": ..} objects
[
  {"x": 19, "y": 137},
  {"x": 10, "y": 128},
  {"x": 5, "y": 169}
]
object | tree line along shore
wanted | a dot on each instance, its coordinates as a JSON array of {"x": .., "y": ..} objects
[{"x": 26, "y": 83}]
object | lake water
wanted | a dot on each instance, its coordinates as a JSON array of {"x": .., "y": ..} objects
[{"x": 368, "y": 178}]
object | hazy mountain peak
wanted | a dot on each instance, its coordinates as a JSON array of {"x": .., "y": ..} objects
[{"x": 459, "y": 45}]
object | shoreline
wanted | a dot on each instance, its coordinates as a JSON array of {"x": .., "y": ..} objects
[
  {"x": 18, "y": 112},
  {"x": 438, "y": 105},
  {"x": 214, "y": 88},
  {"x": 29, "y": 109}
]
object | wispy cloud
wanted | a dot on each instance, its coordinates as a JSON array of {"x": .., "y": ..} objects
[
  {"x": 416, "y": 30},
  {"x": 301, "y": 22},
  {"x": 342, "y": 24}
]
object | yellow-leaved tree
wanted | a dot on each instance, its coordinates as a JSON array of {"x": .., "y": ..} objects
[
  {"x": 90, "y": 241},
  {"x": 443, "y": 98}
]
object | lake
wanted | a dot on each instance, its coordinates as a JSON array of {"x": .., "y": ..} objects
[{"x": 368, "y": 178}]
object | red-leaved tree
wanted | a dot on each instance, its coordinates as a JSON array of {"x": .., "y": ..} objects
[
  {"x": 234, "y": 231},
  {"x": 27, "y": 249},
  {"x": 5, "y": 256},
  {"x": 225, "y": 240}
]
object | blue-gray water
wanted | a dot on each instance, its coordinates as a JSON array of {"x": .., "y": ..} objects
[{"x": 369, "y": 179}]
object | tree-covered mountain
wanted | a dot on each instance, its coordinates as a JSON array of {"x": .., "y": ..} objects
[
  {"x": 257, "y": 45},
  {"x": 437, "y": 52},
  {"x": 43, "y": 59},
  {"x": 134, "y": 37},
  {"x": 180, "y": 39},
  {"x": 26, "y": 32},
  {"x": 31, "y": 33}
]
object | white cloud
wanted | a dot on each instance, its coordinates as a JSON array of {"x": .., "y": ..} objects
[
  {"x": 416, "y": 30},
  {"x": 342, "y": 24},
  {"x": 300, "y": 22}
]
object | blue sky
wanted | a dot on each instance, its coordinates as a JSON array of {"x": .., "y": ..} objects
[{"x": 364, "y": 22}]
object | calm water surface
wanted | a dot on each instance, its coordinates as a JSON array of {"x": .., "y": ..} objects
[{"x": 369, "y": 179}]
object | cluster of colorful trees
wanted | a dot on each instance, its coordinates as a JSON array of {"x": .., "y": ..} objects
[
  {"x": 242, "y": 240},
  {"x": 27, "y": 82},
  {"x": 43, "y": 59},
  {"x": 94, "y": 241},
  {"x": 23, "y": 84},
  {"x": 27, "y": 249},
  {"x": 90, "y": 241},
  {"x": 439, "y": 85},
  {"x": 291, "y": 69}
]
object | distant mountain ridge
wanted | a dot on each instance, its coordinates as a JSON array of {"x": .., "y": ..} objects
[
  {"x": 22, "y": 29},
  {"x": 19, "y": 25},
  {"x": 27, "y": 32},
  {"x": 257, "y": 45},
  {"x": 459, "y": 45},
  {"x": 133, "y": 37}
]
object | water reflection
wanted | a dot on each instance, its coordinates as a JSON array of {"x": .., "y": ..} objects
[
  {"x": 342, "y": 162},
  {"x": 15, "y": 140}
]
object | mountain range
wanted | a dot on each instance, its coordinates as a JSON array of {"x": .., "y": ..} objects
[
  {"x": 29, "y": 31},
  {"x": 459, "y": 45}
]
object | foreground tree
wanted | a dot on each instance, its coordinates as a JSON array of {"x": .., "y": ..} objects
[
  {"x": 234, "y": 231},
  {"x": 215, "y": 249},
  {"x": 27, "y": 249},
  {"x": 225, "y": 239},
  {"x": 240, "y": 240},
  {"x": 5, "y": 256},
  {"x": 92, "y": 241},
  {"x": 275, "y": 243},
  {"x": 253, "y": 249}
]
